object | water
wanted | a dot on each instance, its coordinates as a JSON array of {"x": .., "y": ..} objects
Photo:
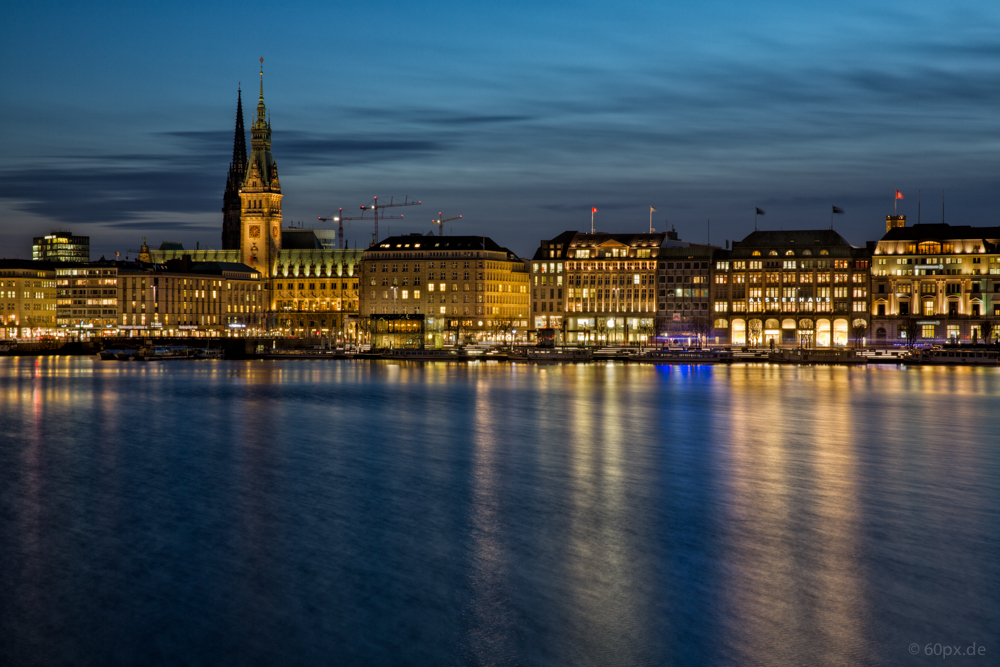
[{"x": 359, "y": 513}]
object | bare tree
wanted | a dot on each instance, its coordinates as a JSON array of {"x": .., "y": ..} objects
[
  {"x": 645, "y": 330},
  {"x": 859, "y": 328},
  {"x": 755, "y": 328},
  {"x": 908, "y": 327},
  {"x": 600, "y": 329},
  {"x": 702, "y": 326},
  {"x": 987, "y": 330}
]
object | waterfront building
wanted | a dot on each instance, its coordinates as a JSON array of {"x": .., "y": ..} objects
[
  {"x": 609, "y": 283},
  {"x": 469, "y": 288},
  {"x": 803, "y": 287},
  {"x": 935, "y": 283},
  {"x": 60, "y": 247},
  {"x": 27, "y": 298},
  {"x": 87, "y": 297},
  {"x": 684, "y": 304},
  {"x": 182, "y": 297}
]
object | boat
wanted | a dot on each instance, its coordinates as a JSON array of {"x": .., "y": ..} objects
[
  {"x": 400, "y": 354},
  {"x": 842, "y": 356},
  {"x": 112, "y": 355},
  {"x": 164, "y": 353},
  {"x": 559, "y": 355},
  {"x": 956, "y": 357},
  {"x": 208, "y": 353},
  {"x": 697, "y": 357}
]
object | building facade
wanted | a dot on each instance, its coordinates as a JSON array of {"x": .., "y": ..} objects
[
  {"x": 935, "y": 283},
  {"x": 184, "y": 298},
  {"x": 27, "y": 299},
  {"x": 608, "y": 283},
  {"x": 806, "y": 288},
  {"x": 684, "y": 276},
  {"x": 315, "y": 292},
  {"x": 468, "y": 287},
  {"x": 60, "y": 247},
  {"x": 87, "y": 297}
]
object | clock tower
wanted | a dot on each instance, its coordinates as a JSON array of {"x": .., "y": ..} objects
[{"x": 260, "y": 196}]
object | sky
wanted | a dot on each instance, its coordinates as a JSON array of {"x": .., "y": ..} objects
[{"x": 117, "y": 118}]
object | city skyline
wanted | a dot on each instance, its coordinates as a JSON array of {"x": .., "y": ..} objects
[{"x": 520, "y": 122}]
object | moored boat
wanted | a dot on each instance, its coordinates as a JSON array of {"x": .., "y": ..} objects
[
  {"x": 956, "y": 357},
  {"x": 842, "y": 356},
  {"x": 696, "y": 357},
  {"x": 401, "y": 354},
  {"x": 559, "y": 355}
]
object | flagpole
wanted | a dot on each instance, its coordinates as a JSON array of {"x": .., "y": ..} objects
[
  {"x": 591, "y": 219},
  {"x": 650, "y": 219},
  {"x": 895, "y": 201}
]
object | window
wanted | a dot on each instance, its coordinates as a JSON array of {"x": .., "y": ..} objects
[{"x": 927, "y": 331}]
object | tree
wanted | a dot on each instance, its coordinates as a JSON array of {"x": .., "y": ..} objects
[
  {"x": 908, "y": 328},
  {"x": 859, "y": 328},
  {"x": 755, "y": 328},
  {"x": 702, "y": 326},
  {"x": 987, "y": 330},
  {"x": 600, "y": 330}
]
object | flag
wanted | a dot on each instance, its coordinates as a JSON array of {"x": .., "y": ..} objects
[
  {"x": 759, "y": 211},
  {"x": 651, "y": 209},
  {"x": 593, "y": 209},
  {"x": 837, "y": 209},
  {"x": 899, "y": 195}
]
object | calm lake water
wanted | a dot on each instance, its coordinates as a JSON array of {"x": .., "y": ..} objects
[{"x": 365, "y": 513}]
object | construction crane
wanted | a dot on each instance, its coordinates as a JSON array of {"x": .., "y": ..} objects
[
  {"x": 339, "y": 218},
  {"x": 440, "y": 222},
  {"x": 375, "y": 207}
]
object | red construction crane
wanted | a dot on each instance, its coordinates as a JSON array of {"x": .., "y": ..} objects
[
  {"x": 375, "y": 207},
  {"x": 440, "y": 222}
]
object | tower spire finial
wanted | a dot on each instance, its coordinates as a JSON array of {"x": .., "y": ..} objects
[{"x": 262, "y": 78}]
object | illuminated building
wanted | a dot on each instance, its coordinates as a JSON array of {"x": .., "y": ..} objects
[
  {"x": 683, "y": 299},
  {"x": 87, "y": 297},
  {"x": 182, "y": 297},
  {"x": 806, "y": 287},
  {"x": 27, "y": 298},
  {"x": 60, "y": 247},
  {"x": 596, "y": 288},
  {"x": 940, "y": 280},
  {"x": 468, "y": 287}
]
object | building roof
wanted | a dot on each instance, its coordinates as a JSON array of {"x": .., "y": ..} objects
[
  {"x": 423, "y": 243},
  {"x": 575, "y": 239},
  {"x": 29, "y": 264},
  {"x": 800, "y": 238},
  {"x": 942, "y": 232}
]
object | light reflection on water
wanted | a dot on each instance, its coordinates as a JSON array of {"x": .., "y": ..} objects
[{"x": 368, "y": 513}]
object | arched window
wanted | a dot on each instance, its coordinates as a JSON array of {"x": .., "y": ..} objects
[
  {"x": 807, "y": 252},
  {"x": 773, "y": 253},
  {"x": 824, "y": 252},
  {"x": 789, "y": 253}
]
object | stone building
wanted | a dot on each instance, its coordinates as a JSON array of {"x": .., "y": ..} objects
[
  {"x": 27, "y": 299},
  {"x": 803, "y": 287},
  {"x": 87, "y": 297},
  {"x": 596, "y": 288},
  {"x": 941, "y": 281},
  {"x": 468, "y": 287},
  {"x": 232, "y": 205}
]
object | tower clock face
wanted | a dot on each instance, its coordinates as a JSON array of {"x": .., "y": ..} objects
[
  {"x": 274, "y": 231},
  {"x": 254, "y": 231}
]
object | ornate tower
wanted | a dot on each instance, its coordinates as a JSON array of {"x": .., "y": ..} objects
[
  {"x": 237, "y": 171},
  {"x": 260, "y": 196}
]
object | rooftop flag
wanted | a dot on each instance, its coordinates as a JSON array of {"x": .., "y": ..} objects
[
  {"x": 899, "y": 195},
  {"x": 837, "y": 209},
  {"x": 593, "y": 209},
  {"x": 759, "y": 211}
]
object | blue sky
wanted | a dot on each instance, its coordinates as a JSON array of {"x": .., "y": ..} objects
[{"x": 118, "y": 118}]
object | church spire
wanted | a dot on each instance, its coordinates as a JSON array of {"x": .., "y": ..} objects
[{"x": 240, "y": 138}]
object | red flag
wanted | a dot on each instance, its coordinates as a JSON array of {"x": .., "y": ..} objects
[
  {"x": 899, "y": 195},
  {"x": 593, "y": 209}
]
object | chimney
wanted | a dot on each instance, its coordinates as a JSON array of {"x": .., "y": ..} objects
[{"x": 892, "y": 221}]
